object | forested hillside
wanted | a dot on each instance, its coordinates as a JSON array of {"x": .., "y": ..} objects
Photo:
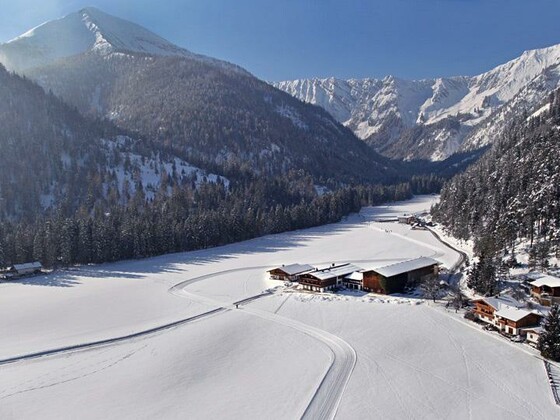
[
  {"x": 75, "y": 190},
  {"x": 48, "y": 149},
  {"x": 512, "y": 193},
  {"x": 216, "y": 118}
]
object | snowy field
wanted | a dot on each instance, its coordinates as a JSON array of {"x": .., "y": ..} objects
[{"x": 284, "y": 355}]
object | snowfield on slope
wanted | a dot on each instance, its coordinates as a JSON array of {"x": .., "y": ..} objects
[{"x": 284, "y": 355}]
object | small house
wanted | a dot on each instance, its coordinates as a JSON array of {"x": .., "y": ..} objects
[
  {"x": 394, "y": 277},
  {"x": 289, "y": 272},
  {"x": 327, "y": 278},
  {"x": 546, "y": 289},
  {"x": 533, "y": 335},
  {"x": 512, "y": 320}
]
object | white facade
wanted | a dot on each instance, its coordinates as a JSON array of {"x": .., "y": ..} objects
[{"x": 533, "y": 335}]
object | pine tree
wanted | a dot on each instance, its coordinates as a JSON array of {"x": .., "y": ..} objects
[{"x": 549, "y": 341}]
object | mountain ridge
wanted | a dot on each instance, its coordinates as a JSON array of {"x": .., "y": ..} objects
[
  {"x": 89, "y": 29},
  {"x": 212, "y": 112},
  {"x": 385, "y": 112}
]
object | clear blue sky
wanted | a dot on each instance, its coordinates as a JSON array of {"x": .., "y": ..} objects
[{"x": 286, "y": 39}]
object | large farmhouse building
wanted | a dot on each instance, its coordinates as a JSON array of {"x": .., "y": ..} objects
[
  {"x": 328, "y": 278},
  {"x": 388, "y": 279},
  {"x": 289, "y": 272},
  {"x": 393, "y": 278},
  {"x": 506, "y": 314}
]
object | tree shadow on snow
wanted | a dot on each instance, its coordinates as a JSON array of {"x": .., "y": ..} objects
[{"x": 175, "y": 263}]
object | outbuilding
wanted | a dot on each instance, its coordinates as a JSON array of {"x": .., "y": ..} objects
[
  {"x": 533, "y": 335},
  {"x": 25, "y": 269},
  {"x": 407, "y": 220}
]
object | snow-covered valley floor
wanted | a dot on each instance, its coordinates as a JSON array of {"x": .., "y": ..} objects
[{"x": 283, "y": 355}]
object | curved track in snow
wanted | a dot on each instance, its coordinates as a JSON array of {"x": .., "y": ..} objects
[{"x": 326, "y": 399}]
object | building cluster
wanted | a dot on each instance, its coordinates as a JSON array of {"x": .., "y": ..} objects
[
  {"x": 509, "y": 316},
  {"x": 21, "y": 270},
  {"x": 388, "y": 279},
  {"x": 512, "y": 317}
]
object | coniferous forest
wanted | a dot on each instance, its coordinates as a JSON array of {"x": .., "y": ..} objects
[
  {"x": 72, "y": 190},
  {"x": 511, "y": 194}
]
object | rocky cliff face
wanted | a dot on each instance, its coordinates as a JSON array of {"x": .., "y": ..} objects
[{"x": 434, "y": 118}]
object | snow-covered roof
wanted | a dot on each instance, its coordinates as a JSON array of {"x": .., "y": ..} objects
[
  {"x": 534, "y": 275},
  {"x": 27, "y": 266},
  {"x": 498, "y": 302},
  {"x": 293, "y": 269},
  {"x": 356, "y": 275},
  {"x": 405, "y": 266},
  {"x": 335, "y": 271},
  {"x": 537, "y": 330},
  {"x": 546, "y": 280},
  {"x": 512, "y": 313}
]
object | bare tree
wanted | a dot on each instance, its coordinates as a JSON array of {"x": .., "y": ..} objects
[
  {"x": 431, "y": 287},
  {"x": 458, "y": 299}
]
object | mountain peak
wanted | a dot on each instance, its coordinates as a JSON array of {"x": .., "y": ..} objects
[{"x": 88, "y": 29}]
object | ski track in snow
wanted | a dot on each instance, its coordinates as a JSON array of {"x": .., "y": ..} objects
[
  {"x": 532, "y": 411},
  {"x": 110, "y": 341},
  {"x": 325, "y": 401},
  {"x": 327, "y": 396}
]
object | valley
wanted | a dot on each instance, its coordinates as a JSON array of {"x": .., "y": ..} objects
[
  {"x": 184, "y": 236},
  {"x": 267, "y": 357}
]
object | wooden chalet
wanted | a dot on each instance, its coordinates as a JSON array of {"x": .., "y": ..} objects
[
  {"x": 289, "y": 272},
  {"x": 328, "y": 278},
  {"x": 546, "y": 289},
  {"x": 20, "y": 270},
  {"x": 393, "y": 278},
  {"x": 506, "y": 314}
]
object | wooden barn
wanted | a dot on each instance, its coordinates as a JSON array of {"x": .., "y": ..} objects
[
  {"x": 289, "y": 272},
  {"x": 393, "y": 278},
  {"x": 546, "y": 289},
  {"x": 506, "y": 314},
  {"x": 328, "y": 278}
]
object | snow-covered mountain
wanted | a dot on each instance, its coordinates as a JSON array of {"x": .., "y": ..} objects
[
  {"x": 87, "y": 30},
  {"x": 434, "y": 118},
  {"x": 215, "y": 114}
]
